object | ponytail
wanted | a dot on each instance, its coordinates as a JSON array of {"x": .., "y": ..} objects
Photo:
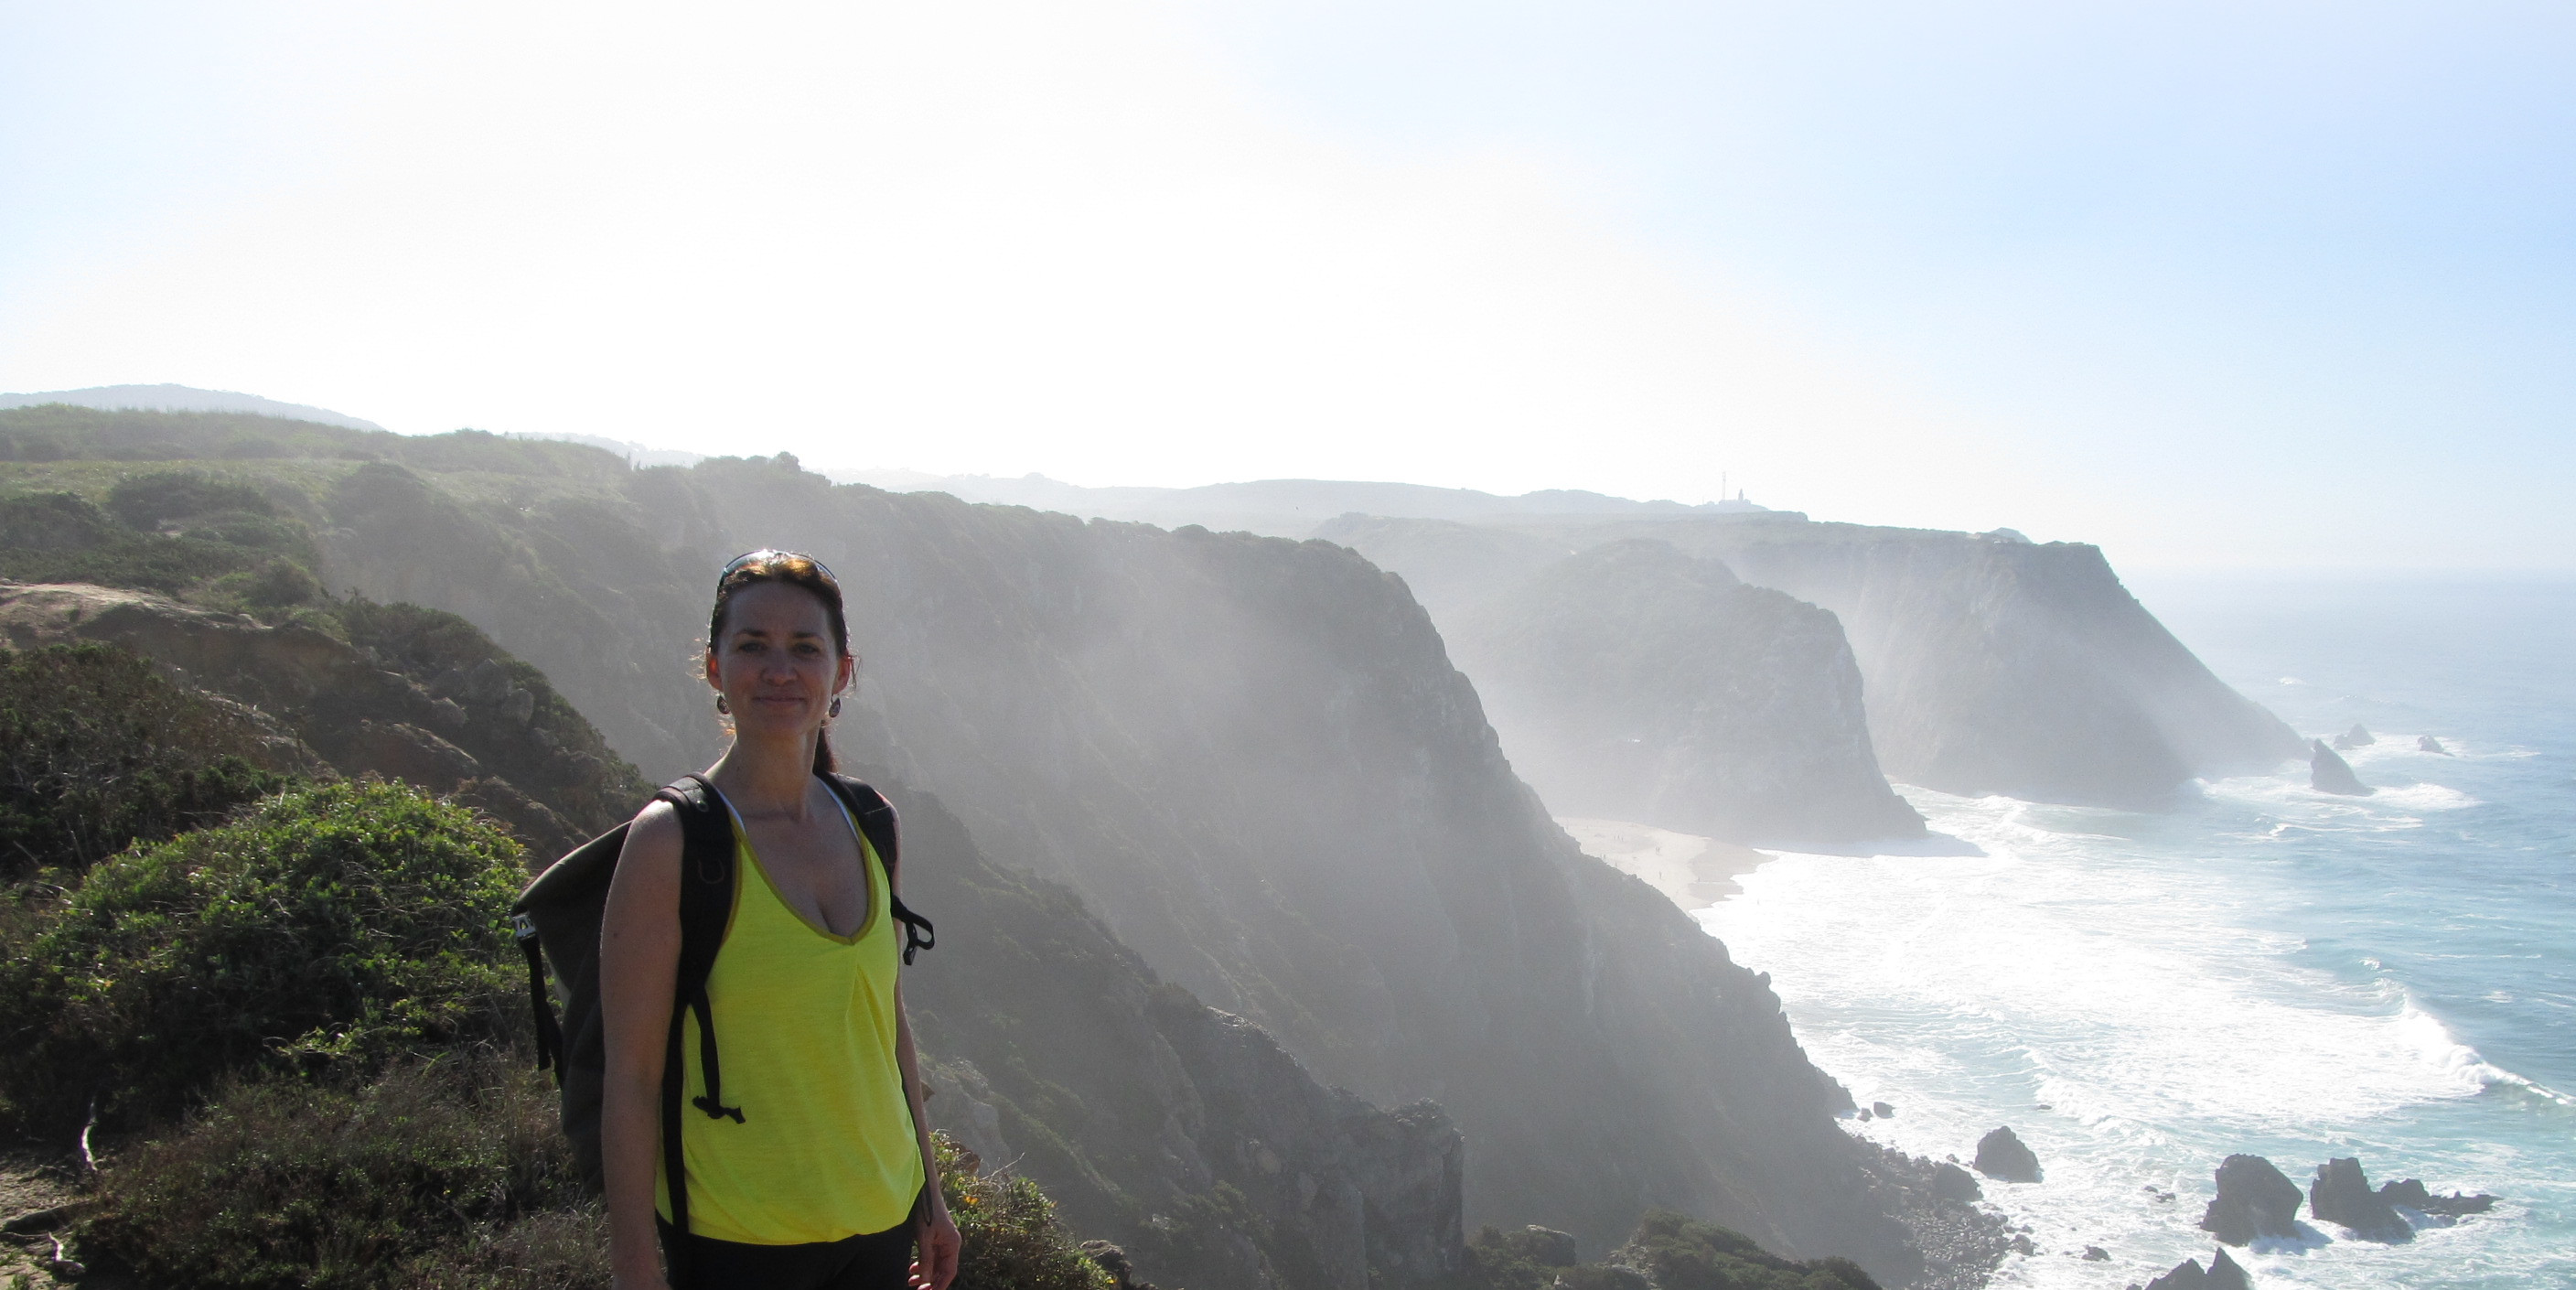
[{"x": 824, "y": 762}]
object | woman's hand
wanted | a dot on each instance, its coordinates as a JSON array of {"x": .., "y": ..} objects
[
  {"x": 642, "y": 1279},
  {"x": 936, "y": 1242}
]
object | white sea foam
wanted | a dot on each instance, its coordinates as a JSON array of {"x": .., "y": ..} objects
[{"x": 2104, "y": 997}]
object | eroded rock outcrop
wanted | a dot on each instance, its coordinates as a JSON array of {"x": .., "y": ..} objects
[
  {"x": 362, "y": 704},
  {"x": 1990, "y": 666},
  {"x": 2341, "y": 1194},
  {"x": 2254, "y": 1199},
  {"x": 2002, "y": 1154},
  {"x": 2328, "y": 772},
  {"x": 2223, "y": 1273},
  {"x": 1633, "y": 682},
  {"x": 1054, "y": 1046},
  {"x": 2411, "y": 1193}
]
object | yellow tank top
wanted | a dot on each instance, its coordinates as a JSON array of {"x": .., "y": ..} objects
[{"x": 805, "y": 1030}]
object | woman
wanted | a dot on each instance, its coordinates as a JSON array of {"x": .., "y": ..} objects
[{"x": 825, "y": 1180}]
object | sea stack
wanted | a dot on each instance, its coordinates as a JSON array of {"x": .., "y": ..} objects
[
  {"x": 2254, "y": 1199},
  {"x": 2427, "y": 743},
  {"x": 2342, "y": 1194},
  {"x": 2223, "y": 1274},
  {"x": 2001, "y": 1154},
  {"x": 2412, "y": 1194},
  {"x": 2357, "y": 737},
  {"x": 2330, "y": 773}
]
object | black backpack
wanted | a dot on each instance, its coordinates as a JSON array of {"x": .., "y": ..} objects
[{"x": 557, "y": 920}]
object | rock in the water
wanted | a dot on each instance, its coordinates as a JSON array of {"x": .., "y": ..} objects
[
  {"x": 2225, "y": 1274},
  {"x": 2254, "y": 1199},
  {"x": 2357, "y": 737},
  {"x": 1866, "y": 1116},
  {"x": 2411, "y": 1193},
  {"x": 2342, "y": 1194},
  {"x": 2096, "y": 1254},
  {"x": 2222, "y": 1274},
  {"x": 1885, "y": 1112},
  {"x": 2329, "y": 773},
  {"x": 2000, "y": 1154},
  {"x": 2427, "y": 743},
  {"x": 1950, "y": 1182}
]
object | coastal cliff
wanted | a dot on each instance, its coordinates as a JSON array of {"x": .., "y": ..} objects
[
  {"x": 1249, "y": 757},
  {"x": 1253, "y": 758},
  {"x": 1187, "y": 1136},
  {"x": 1990, "y": 664},
  {"x": 1633, "y": 682}
]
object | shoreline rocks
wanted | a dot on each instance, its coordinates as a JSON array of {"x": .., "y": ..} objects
[
  {"x": 2254, "y": 1199},
  {"x": 2411, "y": 1193},
  {"x": 2001, "y": 1154},
  {"x": 2341, "y": 1194},
  {"x": 2223, "y": 1273},
  {"x": 2357, "y": 737},
  {"x": 2329, "y": 773}
]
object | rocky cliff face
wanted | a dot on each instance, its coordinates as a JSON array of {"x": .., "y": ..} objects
[
  {"x": 1634, "y": 682},
  {"x": 1187, "y": 1136},
  {"x": 1252, "y": 758},
  {"x": 1991, "y": 665},
  {"x": 394, "y": 700},
  {"x": 1249, "y": 756}
]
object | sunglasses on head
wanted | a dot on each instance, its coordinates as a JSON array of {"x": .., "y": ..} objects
[{"x": 772, "y": 553}]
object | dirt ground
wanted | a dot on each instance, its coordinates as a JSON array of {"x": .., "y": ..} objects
[{"x": 28, "y": 1188}]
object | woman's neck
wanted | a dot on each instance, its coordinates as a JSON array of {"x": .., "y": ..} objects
[{"x": 766, "y": 777}]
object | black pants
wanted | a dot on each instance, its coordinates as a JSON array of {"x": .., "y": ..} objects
[{"x": 869, "y": 1261}]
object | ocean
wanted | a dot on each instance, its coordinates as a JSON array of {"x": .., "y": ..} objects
[{"x": 2264, "y": 969}]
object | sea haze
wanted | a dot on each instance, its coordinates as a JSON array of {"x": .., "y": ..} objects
[{"x": 2265, "y": 969}]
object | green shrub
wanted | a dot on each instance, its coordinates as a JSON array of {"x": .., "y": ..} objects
[
  {"x": 61, "y": 537},
  {"x": 333, "y": 926},
  {"x": 150, "y": 501},
  {"x": 278, "y": 584},
  {"x": 98, "y": 751},
  {"x": 1011, "y": 1237},
  {"x": 448, "y": 1175},
  {"x": 1679, "y": 1253}
]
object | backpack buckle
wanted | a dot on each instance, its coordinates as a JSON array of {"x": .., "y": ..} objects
[{"x": 523, "y": 927}]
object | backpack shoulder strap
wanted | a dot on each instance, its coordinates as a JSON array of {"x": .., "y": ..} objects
[
  {"x": 876, "y": 819},
  {"x": 706, "y": 908}
]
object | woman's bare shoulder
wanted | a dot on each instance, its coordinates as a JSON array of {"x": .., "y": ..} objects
[{"x": 653, "y": 845}]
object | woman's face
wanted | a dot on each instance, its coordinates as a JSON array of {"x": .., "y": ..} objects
[{"x": 776, "y": 666}]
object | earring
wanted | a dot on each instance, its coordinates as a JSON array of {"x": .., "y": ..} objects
[
  {"x": 723, "y": 709},
  {"x": 836, "y": 705}
]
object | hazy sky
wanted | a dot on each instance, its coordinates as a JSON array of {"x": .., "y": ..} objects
[{"x": 2211, "y": 284}]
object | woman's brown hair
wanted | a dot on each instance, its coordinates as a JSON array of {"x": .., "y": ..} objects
[{"x": 796, "y": 569}]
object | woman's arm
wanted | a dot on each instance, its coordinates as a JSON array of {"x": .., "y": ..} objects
[
  {"x": 639, "y": 966},
  {"x": 936, "y": 1234}
]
